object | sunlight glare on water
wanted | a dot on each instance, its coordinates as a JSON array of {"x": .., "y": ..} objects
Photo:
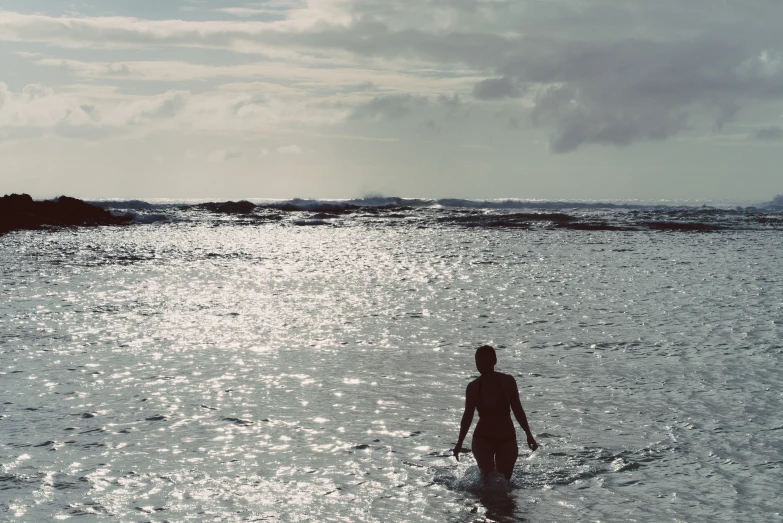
[{"x": 193, "y": 372}]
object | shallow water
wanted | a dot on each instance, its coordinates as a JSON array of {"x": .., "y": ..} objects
[{"x": 199, "y": 371}]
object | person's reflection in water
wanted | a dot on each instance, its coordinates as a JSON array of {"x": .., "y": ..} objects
[
  {"x": 501, "y": 508},
  {"x": 495, "y": 395}
]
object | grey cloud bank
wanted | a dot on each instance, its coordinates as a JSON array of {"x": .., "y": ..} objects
[
  {"x": 497, "y": 89},
  {"x": 769, "y": 133},
  {"x": 388, "y": 106}
]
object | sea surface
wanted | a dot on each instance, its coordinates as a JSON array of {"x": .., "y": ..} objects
[{"x": 307, "y": 361}]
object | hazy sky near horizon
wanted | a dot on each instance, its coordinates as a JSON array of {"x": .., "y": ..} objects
[{"x": 554, "y": 99}]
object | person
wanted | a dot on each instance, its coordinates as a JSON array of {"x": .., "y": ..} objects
[{"x": 494, "y": 394}]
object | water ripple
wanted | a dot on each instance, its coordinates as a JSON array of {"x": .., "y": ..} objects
[{"x": 255, "y": 372}]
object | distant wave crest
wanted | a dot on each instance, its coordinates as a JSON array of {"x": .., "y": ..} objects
[
  {"x": 464, "y": 213},
  {"x": 126, "y": 204},
  {"x": 376, "y": 201}
]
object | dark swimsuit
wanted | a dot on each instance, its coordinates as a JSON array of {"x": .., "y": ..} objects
[{"x": 495, "y": 440}]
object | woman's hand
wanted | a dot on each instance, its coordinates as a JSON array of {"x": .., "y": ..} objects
[
  {"x": 456, "y": 452},
  {"x": 531, "y": 442}
]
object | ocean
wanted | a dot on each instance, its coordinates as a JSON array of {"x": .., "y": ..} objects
[{"x": 307, "y": 361}]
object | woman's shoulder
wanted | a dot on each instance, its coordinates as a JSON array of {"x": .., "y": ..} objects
[
  {"x": 474, "y": 384},
  {"x": 507, "y": 378}
]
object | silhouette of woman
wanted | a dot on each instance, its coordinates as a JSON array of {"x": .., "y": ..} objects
[{"x": 494, "y": 394}]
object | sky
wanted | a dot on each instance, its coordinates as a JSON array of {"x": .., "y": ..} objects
[{"x": 544, "y": 99}]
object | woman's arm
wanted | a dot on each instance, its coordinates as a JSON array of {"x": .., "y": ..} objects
[
  {"x": 519, "y": 413},
  {"x": 467, "y": 419}
]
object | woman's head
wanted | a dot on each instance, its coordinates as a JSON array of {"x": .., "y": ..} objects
[{"x": 485, "y": 359}]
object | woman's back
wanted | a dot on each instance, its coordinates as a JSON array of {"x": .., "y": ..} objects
[{"x": 494, "y": 408}]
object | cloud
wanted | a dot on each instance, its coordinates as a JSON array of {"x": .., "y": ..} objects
[
  {"x": 431, "y": 125},
  {"x": 772, "y": 133},
  {"x": 615, "y": 94},
  {"x": 477, "y": 146},
  {"x": 38, "y": 107},
  {"x": 120, "y": 31},
  {"x": 289, "y": 79},
  {"x": 389, "y": 106},
  {"x": 290, "y": 150},
  {"x": 225, "y": 155},
  {"x": 276, "y": 8},
  {"x": 727, "y": 113},
  {"x": 450, "y": 102},
  {"x": 137, "y": 112},
  {"x": 578, "y": 120},
  {"x": 453, "y": 105},
  {"x": 496, "y": 89},
  {"x": 608, "y": 72},
  {"x": 246, "y": 12},
  {"x": 118, "y": 70},
  {"x": 96, "y": 113}
]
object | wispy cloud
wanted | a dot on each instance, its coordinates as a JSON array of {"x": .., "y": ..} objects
[
  {"x": 249, "y": 12},
  {"x": 225, "y": 155},
  {"x": 43, "y": 108},
  {"x": 294, "y": 78},
  {"x": 276, "y": 8},
  {"x": 290, "y": 150}
]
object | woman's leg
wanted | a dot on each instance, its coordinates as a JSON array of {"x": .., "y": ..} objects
[
  {"x": 484, "y": 452},
  {"x": 506, "y": 457}
]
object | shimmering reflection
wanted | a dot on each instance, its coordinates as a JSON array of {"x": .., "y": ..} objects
[{"x": 194, "y": 372}]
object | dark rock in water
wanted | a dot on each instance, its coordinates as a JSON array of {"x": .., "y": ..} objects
[
  {"x": 239, "y": 421},
  {"x": 331, "y": 208},
  {"x": 683, "y": 226},
  {"x": 543, "y": 216},
  {"x": 593, "y": 226},
  {"x": 314, "y": 206},
  {"x": 21, "y": 212},
  {"x": 518, "y": 220},
  {"x": 383, "y": 209},
  {"x": 240, "y": 207}
]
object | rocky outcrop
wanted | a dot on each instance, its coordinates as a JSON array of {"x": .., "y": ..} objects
[{"x": 21, "y": 212}]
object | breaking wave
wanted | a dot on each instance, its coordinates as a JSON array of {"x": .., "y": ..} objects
[
  {"x": 453, "y": 212},
  {"x": 315, "y": 205}
]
